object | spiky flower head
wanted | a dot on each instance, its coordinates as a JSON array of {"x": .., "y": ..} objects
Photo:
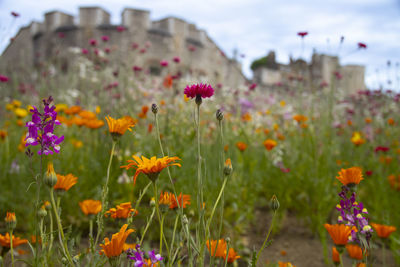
[
  {"x": 199, "y": 91},
  {"x": 351, "y": 176}
]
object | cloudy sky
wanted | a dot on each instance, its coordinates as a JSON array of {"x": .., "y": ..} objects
[{"x": 254, "y": 27}]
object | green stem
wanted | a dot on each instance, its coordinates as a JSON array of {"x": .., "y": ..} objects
[
  {"x": 340, "y": 258},
  {"x": 158, "y": 214},
  {"x": 104, "y": 197},
  {"x": 227, "y": 254},
  {"x": 91, "y": 244},
  {"x": 201, "y": 231},
  {"x": 51, "y": 232},
  {"x": 266, "y": 239},
  {"x": 63, "y": 241},
  {"x": 147, "y": 225},
  {"x": 38, "y": 184},
  {"x": 11, "y": 248},
  {"x": 173, "y": 240},
  {"x": 41, "y": 232}
]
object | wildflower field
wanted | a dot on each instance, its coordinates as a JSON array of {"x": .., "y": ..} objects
[{"x": 118, "y": 167}]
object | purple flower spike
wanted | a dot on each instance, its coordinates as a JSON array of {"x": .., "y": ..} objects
[{"x": 41, "y": 129}]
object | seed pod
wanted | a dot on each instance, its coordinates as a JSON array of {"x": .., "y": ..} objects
[
  {"x": 154, "y": 108},
  {"x": 274, "y": 203},
  {"x": 219, "y": 115}
]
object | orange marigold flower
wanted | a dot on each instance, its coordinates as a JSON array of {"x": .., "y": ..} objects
[
  {"x": 151, "y": 167},
  {"x": 3, "y": 135},
  {"x": 90, "y": 206},
  {"x": 94, "y": 124},
  {"x": 357, "y": 139},
  {"x": 10, "y": 217},
  {"x": 285, "y": 264},
  {"x": 335, "y": 255},
  {"x": 368, "y": 120},
  {"x": 246, "y": 117},
  {"x": 354, "y": 251},
  {"x": 220, "y": 250},
  {"x": 121, "y": 211},
  {"x": 5, "y": 241},
  {"x": 169, "y": 199},
  {"x": 383, "y": 231},
  {"x": 269, "y": 144},
  {"x": 72, "y": 110},
  {"x": 300, "y": 118},
  {"x": 226, "y": 147},
  {"x": 85, "y": 114},
  {"x": 394, "y": 181},
  {"x": 65, "y": 182},
  {"x": 241, "y": 146},
  {"x": 390, "y": 121},
  {"x": 118, "y": 127},
  {"x": 339, "y": 233},
  {"x": 115, "y": 247},
  {"x": 350, "y": 176}
]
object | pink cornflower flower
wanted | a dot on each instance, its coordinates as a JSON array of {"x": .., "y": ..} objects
[
  {"x": 199, "y": 91},
  {"x": 252, "y": 86},
  {"x": 302, "y": 34},
  {"x": 176, "y": 59},
  {"x": 382, "y": 148},
  {"x": 164, "y": 63},
  {"x": 85, "y": 51},
  {"x": 4, "y": 79},
  {"x": 105, "y": 38},
  {"x": 362, "y": 46},
  {"x": 93, "y": 42},
  {"x": 120, "y": 28}
]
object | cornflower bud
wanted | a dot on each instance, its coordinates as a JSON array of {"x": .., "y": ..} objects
[
  {"x": 274, "y": 203},
  {"x": 154, "y": 108},
  {"x": 50, "y": 178},
  {"x": 219, "y": 115},
  {"x": 11, "y": 221},
  {"x": 228, "y": 167}
]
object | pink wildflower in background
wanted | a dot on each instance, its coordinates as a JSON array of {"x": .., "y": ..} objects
[
  {"x": 302, "y": 34},
  {"x": 4, "y": 79},
  {"x": 164, "y": 63},
  {"x": 362, "y": 46},
  {"x": 176, "y": 59},
  {"x": 105, "y": 38}
]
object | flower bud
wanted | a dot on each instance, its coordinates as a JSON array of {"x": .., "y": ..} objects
[
  {"x": 185, "y": 220},
  {"x": 50, "y": 178},
  {"x": 198, "y": 100},
  {"x": 219, "y": 115},
  {"x": 154, "y": 108},
  {"x": 152, "y": 202},
  {"x": 42, "y": 212},
  {"x": 11, "y": 221},
  {"x": 64, "y": 261},
  {"x": 274, "y": 203},
  {"x": 228, "y": 240},
  {"x": 228, "y": 167},
  {"x": 47, "y": 205}
]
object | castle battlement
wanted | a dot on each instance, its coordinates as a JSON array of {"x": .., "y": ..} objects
[{"x": 161, "y": 39}]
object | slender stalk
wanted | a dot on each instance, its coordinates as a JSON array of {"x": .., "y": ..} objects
[
  {"x": 147, "y": 225},
  {"x": 104, "y": 197},
  {"x": 340, "y": 258},
  {"x": 51, "y": 232},
  {"x": 11, "y": 248},
  {"x": 91, "y": 244},
  {"x": 266, "y": 239},
  {"x": 37, "y": 204},
  {"x": 173, "y": 240},
  {"x": 201, "y": 231},
  {"x": 227, "y": 253},
  {"x": 63, "y": 241}
]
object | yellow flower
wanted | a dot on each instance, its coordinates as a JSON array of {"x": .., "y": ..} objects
[
  {"x": 357, "y": 139},
  {"x": 98, "y": 109},
  {"x": 20, "y": 112},
  {"x": 118, "y": 127},
  {"x": 61, "y": 107},
  {"x": 65, "y": 182},
  {"x": 90, "y": 206},
  {"x": 115, "y": 247},
  {"x": 151, "y": 167},
  {"x": 350, "y": 176}
]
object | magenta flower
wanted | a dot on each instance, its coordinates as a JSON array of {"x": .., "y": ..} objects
[
  {"x": 105, "y": 38},
  {"x": 41, "y": 128},
  {"x": 135, "y": 46},
  {"x": 176, "y": 59},
  {"x": 252, "y": 86},
  {"x": 14, "y": 14},
  {"x": 136, "y": 68},
  {"x": 85, "y": 51},
  {"x": 164, "y": 63},
  {"x": 199, "y": 91},
  {"x": 93, "y": 42},
  {"x": 382, "y": 148},
  {"x": 120, "y": 28},
  {"x": 61, "y": 35},
  {"x": 302, "y": 34},
  {"x": 4, "y": 79},
  {"x": 362, "y": 46}
]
